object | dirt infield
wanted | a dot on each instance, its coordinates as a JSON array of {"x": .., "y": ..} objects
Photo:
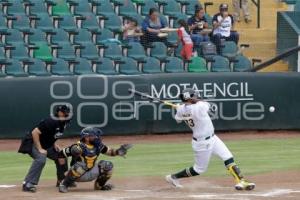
[{"x": 273, "y": 186}]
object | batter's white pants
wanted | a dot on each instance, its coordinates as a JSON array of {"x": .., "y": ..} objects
[{"x": 204, "y": 149}]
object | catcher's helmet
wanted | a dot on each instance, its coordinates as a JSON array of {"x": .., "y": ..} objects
[
  {"x": 62, "y": 108},
  {"x": 188, "y": 94},
  {"x": 90, "y": 131}
]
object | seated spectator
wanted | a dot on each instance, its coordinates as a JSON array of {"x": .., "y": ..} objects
[
  {"x": 151, "y": 27},
  {"x": 131, "y": 31},
  {"x": 196, "y": 24},
  {"x": 223, "y": 25},
  {"x": 185, "y": 38}
]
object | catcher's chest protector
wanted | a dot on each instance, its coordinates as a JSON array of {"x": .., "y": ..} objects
[{"x": 90, "y": 153}]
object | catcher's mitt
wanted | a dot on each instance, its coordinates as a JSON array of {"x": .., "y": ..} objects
[{"x": 122, "y": 150}]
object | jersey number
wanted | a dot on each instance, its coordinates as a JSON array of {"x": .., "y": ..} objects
[{"x": 190, "y": 122}]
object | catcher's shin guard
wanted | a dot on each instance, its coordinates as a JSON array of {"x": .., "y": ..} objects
[{"x": 105, "y": 173}]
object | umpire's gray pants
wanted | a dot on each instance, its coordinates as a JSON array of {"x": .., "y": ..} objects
[{"x": 39, "y": 161}]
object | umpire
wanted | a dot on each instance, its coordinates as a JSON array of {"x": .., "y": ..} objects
[{"x": 40, "y": 144}]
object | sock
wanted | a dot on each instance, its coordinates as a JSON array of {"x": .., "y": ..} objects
[{"x": 188, "y": 172}]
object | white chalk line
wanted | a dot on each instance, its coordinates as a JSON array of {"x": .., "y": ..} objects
[{"x": 7, "y": 186}]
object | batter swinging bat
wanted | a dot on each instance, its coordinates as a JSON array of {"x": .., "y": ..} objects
[{"x": 141, "y": 94}]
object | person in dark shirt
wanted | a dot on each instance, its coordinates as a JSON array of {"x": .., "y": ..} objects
[
  {"x": 40, "y": 143},
  {"x": 197, "y": 23}
]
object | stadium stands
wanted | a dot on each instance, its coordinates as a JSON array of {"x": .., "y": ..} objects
[{"x": 80, "y": 37}]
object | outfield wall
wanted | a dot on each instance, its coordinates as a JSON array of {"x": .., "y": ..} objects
[{"x": 240, "y": 100}]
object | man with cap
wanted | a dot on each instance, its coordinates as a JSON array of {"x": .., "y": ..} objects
[
  {"x": 40, "y": 144},
  {"x": 223, "y": 27}
]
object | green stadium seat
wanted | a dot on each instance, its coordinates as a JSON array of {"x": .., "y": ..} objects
[
  {"x": 105, "y": 66},
  {"x": 2, "y": 73},
  {"x": 82, "y": 66},
  {"x": 113, "y": 51},
  {"x": 103, "y": 35},
  {"x": 190, "y": 8},
  {"x": 59, "y": 36},
  {"x": 19, "y": 51},
  {"x": 127, "y": 8},
  {"x": 44, "y": 22},
  {"x": 241, "y": 64},
  {"x": 229, "y": 50},
  {"x": 37, "y": 7},
  {"x": 14, "y": 7},
  {"x": 90, "y": 22},
  {"x": 220, "y": 64},
  {"x": 43, "y": 51},
  {"x": 37, "y": 68},
  {"x": 172, "y": 9},
  {"x": 297, "y": 6},
  {"x": 174, "y": 65},
  {"x": 59, "y": 7},
  {"x": 89, "y": 51},
  {"x": 178, "y": 17},
  {"x": 151, "y": 66},
  {"x": 67, "y": 22},
  {"x": 147, "y": 5},
  {"x": 177, "y": 51},
  {"x": 60, "y": 67},
  {"x": 81, "y": 7},
  {"x": 113, "y": 23},
  {"x": 136, "y": 51},
  {"x": 36, "y": 35},
  {"x": 83, "y": 36},
  {"x": 13, "y": 36},
  {"x": 105, "y": 8},
  {"x": 129, "y": 66},
  {"x": 197, "y": 64},
  {"x": 20, "y": 21},
  {"x": 2, "y": 54},
  {"x": 15, "y": 68},
  {"x": 66, "y": 51},
  {"x": 3, "y": 25},
  {"x": 172, "y": 39},
  {"x": 158, "y": 50}
]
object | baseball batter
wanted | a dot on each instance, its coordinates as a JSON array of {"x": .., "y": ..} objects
[{"x": 195, "y": 113}]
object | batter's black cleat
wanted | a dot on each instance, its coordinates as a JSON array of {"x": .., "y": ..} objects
[{"x": 28, "y": 187}]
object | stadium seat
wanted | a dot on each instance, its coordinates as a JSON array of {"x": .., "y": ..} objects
[
  {"x": 89, "y": 51},
  {"x": 103, "y": 35},
  {"x": 172, "y": 39},
  {"x": 147, "y": 5},
  {"x": 80, "y": 7},
  {"x": 60, "y": 67},
  {"x": 67, "y": 22},
  {"x": 3, "y": 24},
  {"x": 297, "y": 6},
  {"x": 59, "y": 7},
  {"x": 14, "y": 7},
  {"x": 83, "y": 36},
  {"x": 82, "y": 66},
  {"x": 13, "y": 36},
  {"x": 127, "y": 9},
  {"x": 207, "y": 50},
  {"x": 220, "y": 64},
  {"x": 229, "y": 50},
  {"x": 178, "y": 17},
  {"x": 129, "y": 66},
  {"x": 136, "y": 51},
  {"x": 59, "y": 36},
  {"x": 177, "y": 51},
  {"x": 2, "y": 73},
  {"x": 38, "y": 68},
  {"x": 113, "y": 23},
  {"x": 190, "y": 8},
  {"x": 151, "y": 66},
  {"x": 37, "y": 7},
  {"x": 158, "y": 50},
  {"x": 20, "y": 21},
  {"x": 172, "y": 9},
  {"x": 105, "y": 66},
  {"x": 2, "y": 54},
  {"x": 36, "y": 35},
  {"x": 90, "y": 22},
  {"x": 44, "y": 22},
  {"x": 66, "y": 51},
  {"x": 241, "y": 64},
  {"x": 113, "y": 51},
  {"x": 19, "y": 51},
  {"x": 174, "y": 65},
  {"x": 105, "y": 8},
  {"x": 42, "y": 51},
  {"x": 15, "y": 68},
  {"x": 197, "y": 64}
]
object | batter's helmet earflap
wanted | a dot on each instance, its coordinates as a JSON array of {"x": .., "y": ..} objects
[
  {"x": 62, "y": 108},
  {"x": 188, "y": 94}
]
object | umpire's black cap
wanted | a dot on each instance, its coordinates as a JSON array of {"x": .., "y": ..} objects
[{"x": 63, "y": 108}]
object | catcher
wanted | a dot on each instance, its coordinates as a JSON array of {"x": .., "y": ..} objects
[{"x": 84, "y": 167}]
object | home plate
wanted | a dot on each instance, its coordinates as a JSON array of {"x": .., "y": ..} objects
[{"x": 7, "y": 186}]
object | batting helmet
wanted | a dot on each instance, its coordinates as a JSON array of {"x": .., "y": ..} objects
[
  {"x": 188, "y": 94},
  {"x": 91, "y": 131}
]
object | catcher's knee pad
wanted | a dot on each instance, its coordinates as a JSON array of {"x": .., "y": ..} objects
[
  {"x": 105, "y": 173},
  {"x": 78, "y": 169}
]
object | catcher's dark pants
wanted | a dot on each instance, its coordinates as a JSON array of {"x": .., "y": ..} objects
[{"x": 39, "y": 161}]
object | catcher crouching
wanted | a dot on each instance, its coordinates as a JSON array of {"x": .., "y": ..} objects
[{"x": 84, "y": 167}]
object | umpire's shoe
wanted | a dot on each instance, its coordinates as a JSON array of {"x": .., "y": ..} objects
[
  {"x": 173, "y": 181},
  {"x": 245, "y": 185},
  {"x": 29, "y": 187}
]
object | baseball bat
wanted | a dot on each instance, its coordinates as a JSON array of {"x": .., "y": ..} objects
[{"x": 141, "y": 94}]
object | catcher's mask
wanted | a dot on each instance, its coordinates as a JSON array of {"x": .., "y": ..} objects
[
  {"x": 189, "y": 94},
  {"x": 92, "y": 132}
]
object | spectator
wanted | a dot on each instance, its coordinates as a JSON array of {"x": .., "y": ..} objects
[
  {"x": 223, "y": 25},
  {"x": 151, "y": 27},
  {"x": 196, "y": 24},
  {"x": 237, "y": 5},
  {"x": 185, "y": 38},
  {"x": 131, "y": 31}
]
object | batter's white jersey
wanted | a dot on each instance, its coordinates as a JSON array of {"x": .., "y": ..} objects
[{"x": 197, "y": 118}]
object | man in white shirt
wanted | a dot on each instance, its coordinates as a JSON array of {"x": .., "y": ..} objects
[
  {"x": 223, "y": 27},
  {"x": 195, "y": 113}
]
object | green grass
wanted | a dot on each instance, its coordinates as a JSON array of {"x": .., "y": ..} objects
[{"x": 253, "y": 157}]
